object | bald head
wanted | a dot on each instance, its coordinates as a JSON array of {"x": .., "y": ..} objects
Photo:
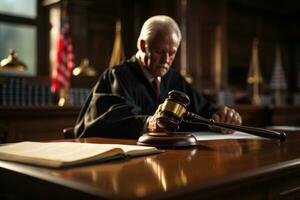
[{"x": 156, "y": 25}]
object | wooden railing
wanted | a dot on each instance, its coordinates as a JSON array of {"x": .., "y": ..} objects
[
  {"x": 40, "y": 123},
  {"x": 35, "y": 123}
]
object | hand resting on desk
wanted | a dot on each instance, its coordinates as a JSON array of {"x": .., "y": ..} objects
[
  {"x": 223, "y": 114},
  {"x": 226, "y": 115}
]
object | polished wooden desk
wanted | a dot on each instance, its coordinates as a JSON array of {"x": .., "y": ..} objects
[{"x": 228, "y": 169}]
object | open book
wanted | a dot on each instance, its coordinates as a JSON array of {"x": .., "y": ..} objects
[{"x": 63, "y": 154}]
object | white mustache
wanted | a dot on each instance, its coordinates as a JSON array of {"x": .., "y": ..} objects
[{"x": 164, "y": 66}]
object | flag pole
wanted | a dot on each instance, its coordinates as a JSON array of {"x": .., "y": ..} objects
[{"x": 62, "y": 72}]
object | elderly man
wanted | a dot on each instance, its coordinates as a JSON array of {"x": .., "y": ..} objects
[{"x": 123, "y": 102}]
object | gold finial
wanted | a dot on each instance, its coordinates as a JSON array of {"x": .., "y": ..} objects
[
  {"x": 186, "y": 76},
  {"x": 11, "y": 62},
  {"x": 118, "y": 54},
  {"x": 118, "y": 26},
  {"x": 254, "y": 75},
  {"x": 84, "y": 69}
]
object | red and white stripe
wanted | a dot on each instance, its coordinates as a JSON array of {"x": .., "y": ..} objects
[{"x": 61, "y": 76}]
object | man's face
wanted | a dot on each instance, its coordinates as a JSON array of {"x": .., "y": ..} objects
[{"x": 162, "y": 50}]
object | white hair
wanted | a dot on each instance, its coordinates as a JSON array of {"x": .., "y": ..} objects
[{"x": 155, "y": 24}]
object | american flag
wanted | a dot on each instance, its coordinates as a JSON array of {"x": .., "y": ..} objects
[{"x": 61, "y": 75}]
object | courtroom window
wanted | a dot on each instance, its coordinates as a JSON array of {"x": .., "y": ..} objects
[
  {"x": 19, "y": 8},
  {"x": 18, "y": 31}
]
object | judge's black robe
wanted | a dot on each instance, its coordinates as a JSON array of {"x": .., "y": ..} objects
[{"x": 122, "y": 100}]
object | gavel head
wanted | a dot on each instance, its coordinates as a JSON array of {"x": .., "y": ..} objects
[{"x": 173, "y": 110}]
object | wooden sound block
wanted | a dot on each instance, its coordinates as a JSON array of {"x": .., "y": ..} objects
[{"x": 176, "y": 139}]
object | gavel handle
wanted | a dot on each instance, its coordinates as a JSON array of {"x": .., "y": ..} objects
[{"x": 193, "y": 118}]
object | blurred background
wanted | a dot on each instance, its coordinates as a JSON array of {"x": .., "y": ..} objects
[
  {"x": 216, "y": 51},
  {"x": 237, "y": 52}
]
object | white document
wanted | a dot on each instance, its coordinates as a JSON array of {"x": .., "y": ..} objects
[
  {"x": 207, "y": 135},
  {"x": 285, "y": 128}
]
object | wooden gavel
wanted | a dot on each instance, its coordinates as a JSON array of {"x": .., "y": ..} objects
[{"x": 174, "y": 110}]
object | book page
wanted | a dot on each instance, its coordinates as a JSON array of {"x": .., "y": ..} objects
[
  {"x": 57, "y": 154},
  {"x": 207, "y": 135},
  {"x": 135, "y": 150}
]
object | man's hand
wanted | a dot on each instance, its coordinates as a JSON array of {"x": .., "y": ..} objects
[
  {"x": 152, "y": 125},
  {"x": 227, "y": 115}
]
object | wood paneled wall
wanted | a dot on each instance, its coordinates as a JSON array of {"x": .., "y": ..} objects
[
  {"x": 204, "y": 19},
  {"x": 93, "y": 29},
  {"x": 220, "y": 28},
  {"x": 244, "y": 24},
  {"x": 93, "y": 26}
]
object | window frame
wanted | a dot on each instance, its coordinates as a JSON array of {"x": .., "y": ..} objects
[{"x": 42, "y": 26}]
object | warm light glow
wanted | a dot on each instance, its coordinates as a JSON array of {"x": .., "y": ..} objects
[
  {"x": 159, "y": 172},
  {"x": 118, "y": 54},
  {"x": 254, "y": 76},
  {"x": 183, "y": 51},
  {"x": 54, "y": 34},
  {"x": 218, "y": 58}
]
